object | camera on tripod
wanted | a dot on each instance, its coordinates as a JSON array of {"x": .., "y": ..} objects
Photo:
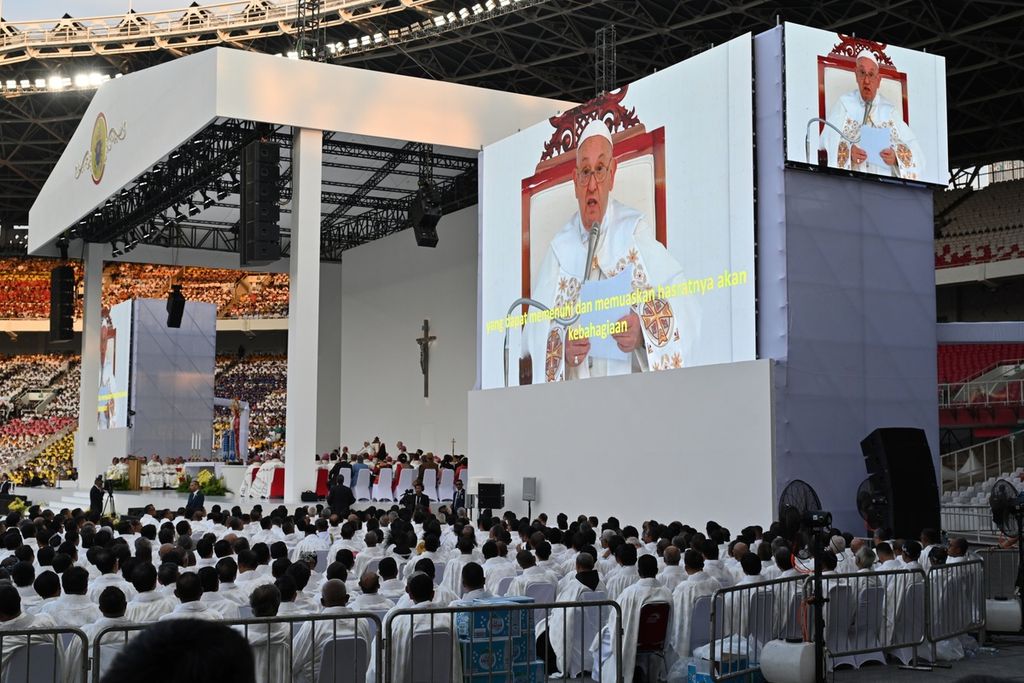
[{"x": 108, "y": 486}]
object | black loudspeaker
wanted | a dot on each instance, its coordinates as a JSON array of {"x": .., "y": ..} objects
[
  {"x": 62, "y": 304},
  {"x": 424, "y": 214},
  {"x": 490, "y": 496},
  {"x": 259, "y": 235},
  {"x": 902, "y": 462},
  {"x": 175, "y": 306}
]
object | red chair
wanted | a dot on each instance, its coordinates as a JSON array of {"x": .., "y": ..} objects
[{"x": 652, "y": 631}]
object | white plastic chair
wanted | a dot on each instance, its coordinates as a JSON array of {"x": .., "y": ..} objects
[
  {"x": 593, "y": 619},
  {"x": 346, "y": 475},
  {"x": 503, "y": 584},
  {"x": 244, "y": 612},
  {"x": 405, "y": 480},
  {"x": 838, "y": 618},
  {"x": 446, "y": 487},
  {"x": 700, "y": 622},
  {"x": 431, "y": 657},
  {"x": 430, "y": 484},
  {"x": 321, "y": 561},
  {"x": 867, "y": 625},
  {"x": 344, "y": 660},
  {"x": 439, "y": 572},
  {"x": 909, "y": 623},
  {"x": 761, "y": 620},
  {"x": 36, "y": 662},
  {"x": 382, "y": 489},
  {"x": 361, "y": 489}
]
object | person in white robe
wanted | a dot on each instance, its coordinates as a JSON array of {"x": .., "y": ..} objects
[
  {"x": 625, "y": 574},
  {"x": 646, "y": 590},
  {"x": 74, "y": 608},
  {"x": 671, "y": 575},
  {"x": 12, "y": 618},
  {"x": 562, "y": 629},
  {"x": 452, "y": 579},
  {"x": 698, "y": 584},
  {"x": 145, "y": 482},
  {"x": 265, "y": 477},
  {"x": 148, "y": 605},
  {"x": 787, "y": 616},
  {"x": 189, "y": 591},
  {"x": 271, "y": 643},
  {"x": 865, "y": 107},
  {"x": 370, "y": 599},
  {"x": 112, "y": 605},
  {"x": 249, "y": 479},
  {"x": 713, "y": 566},
  {"x": 312, "y": 636},
  {"x": 659, "y": 332},
  {"x": 373, "y": 551},
  {"x": 496, "y": 568},
  {"x": 531, "y": 574},
  {"x": 403, "y": 627},
  {"x": 896, "y": 586}
]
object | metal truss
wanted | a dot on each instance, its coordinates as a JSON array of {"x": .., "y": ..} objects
[
  {"x": 535, "y": 47},
  {"x": 166, "y": 205}
]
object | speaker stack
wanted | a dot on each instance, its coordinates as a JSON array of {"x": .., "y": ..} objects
[
  {"x": 424, "y": 214},
  {"x": 175, "y": 306},
  {"x": 259, "y": 234},
  {"x": 62, "y": 304},
  {"x": 900, "y": 461}
]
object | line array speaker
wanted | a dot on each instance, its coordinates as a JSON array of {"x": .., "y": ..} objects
[
  {"x": 901, "y": 461},
  {"x": 259, "y": 233},
  {"x": 175, "y": 306},
  {"x": 62, "y": 304}
]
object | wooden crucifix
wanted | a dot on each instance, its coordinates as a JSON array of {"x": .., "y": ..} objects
[{"x": 424, "y": 343}]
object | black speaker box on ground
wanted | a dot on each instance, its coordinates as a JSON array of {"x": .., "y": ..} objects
[
  {"x": 175, "y": 306},
  {"x": 259, "y": 235},
  {"x": 901, "y": 458},
  {"x": 62, "y": 304},
  {"x": 490, "y": 496}
]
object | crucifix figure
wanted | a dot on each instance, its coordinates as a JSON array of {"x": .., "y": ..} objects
[{"x": 424, "y": 343}]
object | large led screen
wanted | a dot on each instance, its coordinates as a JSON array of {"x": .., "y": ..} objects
[
  {"x": 663, "y": 168},
  {"x": 858, "y": 104},
  {"x": 115, "y": 360}
]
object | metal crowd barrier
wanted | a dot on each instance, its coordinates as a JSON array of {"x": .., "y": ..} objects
[
  {"x": 973, "y": 522},
  {"x": 337, "y": 652},
  {"x": 1000, "y": 574},
  {"x": 956, "y": 593},
  {"x": 867, "y": 615},
  {"x": 744, "y": 618},
  {"x": 37, "y": 655},
  {"x": 502, "y": 642}
]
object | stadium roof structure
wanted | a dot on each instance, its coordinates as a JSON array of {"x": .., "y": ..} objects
[{"x": 49, "y": 70}]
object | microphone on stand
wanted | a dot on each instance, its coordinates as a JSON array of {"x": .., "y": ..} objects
[
  {"x": 807, "y": 136},
  {"x": 595, "y": 233}
]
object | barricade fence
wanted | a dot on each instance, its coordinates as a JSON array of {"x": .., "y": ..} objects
[
  {"x": 522, "y": 642},
  {"x": 973, "y": 522},
  {"x": 38, "y": 655},
  {"x": 867, "y": 616},
  {"x": 1000, "y": 575},
  {"x": 319, "y": 648}
]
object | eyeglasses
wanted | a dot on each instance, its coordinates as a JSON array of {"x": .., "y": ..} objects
[{"x": 583, "y": 176}]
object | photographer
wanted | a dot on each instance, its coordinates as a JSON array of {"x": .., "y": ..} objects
[
  {"x": 96, "y": 494},
  {"x": 416, "y": 498}
]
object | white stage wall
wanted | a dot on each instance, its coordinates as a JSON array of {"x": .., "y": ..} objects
[
  {"x": 388, "y": 287},
  {"x": 687, "y": 445}
]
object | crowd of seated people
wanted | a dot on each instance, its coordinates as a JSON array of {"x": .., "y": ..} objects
[
  {"x": 74, "y": 569},
  {"x": 25, "y": 428},
  {"x": 25, "y": 287},
  {"x": 236, "y": 294},
  {"x": 260, "y": 380},
  {"x": 54, "y": 463}
]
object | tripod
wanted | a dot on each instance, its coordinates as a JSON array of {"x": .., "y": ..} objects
[{"x": 109, "y": 509}]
